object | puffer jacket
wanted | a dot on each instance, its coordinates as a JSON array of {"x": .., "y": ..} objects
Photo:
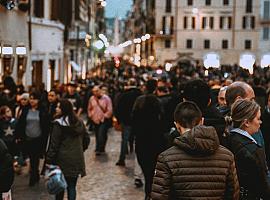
[
  {"x": 196, "y": 168},
  {"x": 66, "y": 148}
]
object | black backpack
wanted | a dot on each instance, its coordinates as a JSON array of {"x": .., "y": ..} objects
[{"x": 6, "y": 168}]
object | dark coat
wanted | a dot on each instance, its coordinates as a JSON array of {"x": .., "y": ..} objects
[
  {"x": 265, "y": 128},
  {"x": 212, "y": 117},
  {"x": 124, "y": 106},
  {"x": 6, "y": 169},
  {"x": 66, "y": 148},
  {"x": 147, "y": 126},
  {"x": 251, "y": 165},
  {"x": 196, "y": 167}
]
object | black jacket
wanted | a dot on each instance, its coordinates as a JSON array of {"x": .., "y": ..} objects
[
  {"x": 251, "y": 165},
  {"x": 66, "y": 148}
]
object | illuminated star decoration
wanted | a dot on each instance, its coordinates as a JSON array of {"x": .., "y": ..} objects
[{"x": 9, "y": 131}]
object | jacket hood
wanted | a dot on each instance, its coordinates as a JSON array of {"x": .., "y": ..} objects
[
  {"x": 201, "y": 140},
  {"x": 73, "y": 129}
]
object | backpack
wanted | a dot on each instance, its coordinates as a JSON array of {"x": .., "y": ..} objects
[
  {"x": 56, "y": 181},
  {"x": 6, "y": 169}
]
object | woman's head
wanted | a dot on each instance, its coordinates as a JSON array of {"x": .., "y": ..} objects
[
  {"x": 5, "y": 113},
  {"x": 34, "y": 98},
  {"x": 65, "y": 109},
  {"x": 246, "y": 115}
]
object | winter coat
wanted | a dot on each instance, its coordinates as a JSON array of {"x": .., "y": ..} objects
[
  {"x": 265, "y": 128},
  {"x": 196, "y": 168},
  {"x": 66, "y": 148},
  {"x": 6, "y": 168},
  {"x": 251, "y": 165}
]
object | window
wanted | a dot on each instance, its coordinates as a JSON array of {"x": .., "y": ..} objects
[
  {"x": 167, "y": 43},
  {"x": 189, "y": 44},
  {"x": 189, "y": 2},
  {"x": 244, "y": 22},
  {"x": 163, "y": 24},
  {"x": 248, "y": 22},
  {"x": 221, "y": 22},
  {"x": 168, "y": 6},
  {"x": 225, "y": 2},
  {"x": 203, "y": 22},
  {"x": 249, "y": 6},
  {"x": 193, "y": 22},
  {"x": 266, "y": 13},
  {"x": 265, "y": 33},
  {"x": 229, "y": 22},
  {"x": 185, "y": 22},
  {"x": 247, "y": 44},
  {"x": 211, "y": 22},
  {"x": 207, "y": 44},
  {"x": 172, "y": 24},
  {"x": 208, "y": 2},
  {"x": 252, "y": 22},
  {"x": 39, "y": 8},
  {"x": 224, "y": 44}
]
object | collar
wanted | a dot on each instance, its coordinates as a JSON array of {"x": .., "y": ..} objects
[{"x": 244, "y": 133}]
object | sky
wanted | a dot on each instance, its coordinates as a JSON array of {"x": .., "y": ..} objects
[{"x": 117, "y": 7}]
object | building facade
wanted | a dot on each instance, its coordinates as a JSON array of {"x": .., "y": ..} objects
[
  {"x": 14, "y": 44},
  {"x": 228, "y": 28}
]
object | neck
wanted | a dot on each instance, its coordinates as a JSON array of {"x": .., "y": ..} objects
[{"x": 184, "y": 130}]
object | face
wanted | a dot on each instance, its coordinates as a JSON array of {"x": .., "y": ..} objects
[
  {"x": 52, "y": 97},
  {"x": 8, "y": 113},
  {"x": 221, "y": 98},
  {"x": 58, "y": 110},
  {"x": 71, "y": 89},
  {"x": 250, "y": 94},
  {"x": 268, "y": 102},
  {"x": 33, "y": 102},
  {"x": 254, "y": 125},
  {"x": 24, "y": 101},
  {"x": 96, "y": 92}
]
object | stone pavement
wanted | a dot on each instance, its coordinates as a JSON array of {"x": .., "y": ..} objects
[{"x": 104, "y": 180}]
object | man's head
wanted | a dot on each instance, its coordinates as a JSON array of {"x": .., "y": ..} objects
[
  {"x": 52, "y": 96},
  {"x": 197, "y": 91},
  {"x": 187, "y": 115},
  {"x": 162, "y": 88},
  {"x": 239, "y": 90},
  {"x": 97, "y": 91},
  {"x": 71, "y": 88},
  {"x": 221, "y": 96}
]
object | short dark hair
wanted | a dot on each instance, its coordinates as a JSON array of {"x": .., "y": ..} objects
[
  {"x": 197, "y": 91},
  {"x": 187, "y": 114},
  {"x": 151, "y": 86},
  {"x": 234, "y": 91}
]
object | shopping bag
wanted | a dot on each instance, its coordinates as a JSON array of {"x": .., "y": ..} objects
[{"x": 55, "y": 180}]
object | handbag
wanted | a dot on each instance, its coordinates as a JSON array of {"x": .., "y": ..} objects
[
  {"x": 116, "y": 124},
  {"x": 56, "y": 181}
]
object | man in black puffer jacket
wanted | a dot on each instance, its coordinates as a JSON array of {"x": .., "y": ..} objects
[
  {"x": 6, "y": 169},
  {"x": 196, "y": 167}
]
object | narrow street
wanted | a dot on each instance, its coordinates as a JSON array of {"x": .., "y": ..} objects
[{"x": 104, "y": 180}]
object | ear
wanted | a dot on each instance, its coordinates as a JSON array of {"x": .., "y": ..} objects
[
  {"x": 237, "y": 98},
  {"x": 202, "y": 121},
  {"x": 177, "y": 127},
  {"x": 209, "y": 102}
]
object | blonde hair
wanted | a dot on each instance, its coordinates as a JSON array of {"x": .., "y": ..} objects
[{"x": 243, "y": 110}]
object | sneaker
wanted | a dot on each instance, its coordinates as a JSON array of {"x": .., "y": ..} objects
[
  {"x": 138, "y": 183},
  {"x": 121, "y": 163}
]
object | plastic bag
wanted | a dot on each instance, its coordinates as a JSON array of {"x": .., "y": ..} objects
[{"x": 56, "y": 182}]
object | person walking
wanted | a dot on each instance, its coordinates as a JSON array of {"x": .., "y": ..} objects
[
  {"x": 250, "y": 159},
  {"x": 100, "y": 112},
  {"x": 32, "y": 130},
  {"x": 196, "y": 166},
  {"x": 66, "y": 147}
]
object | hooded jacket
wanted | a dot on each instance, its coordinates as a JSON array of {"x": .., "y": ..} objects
[
  {"x": 196, "y": 168},
  {"x": 66, "y": 148}
]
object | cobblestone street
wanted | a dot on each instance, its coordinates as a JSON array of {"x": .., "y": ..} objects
[{"x": 104, "y": 180}]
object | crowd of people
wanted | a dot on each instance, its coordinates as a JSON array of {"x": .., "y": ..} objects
[{"x": 196, "y": 135}]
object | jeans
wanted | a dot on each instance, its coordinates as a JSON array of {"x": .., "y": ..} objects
[
  {"x": 124, "y": 143},
  {"x": 71, "y": 189},
  {"x": 101, "y": 135}
]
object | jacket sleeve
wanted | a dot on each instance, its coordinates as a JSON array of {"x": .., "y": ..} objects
[
  {"x": 109, "y": 109},
  {"x": 54, "y": 145},
  {"x": 161, "y": 181},
  {"x": 232, "y": 184}
]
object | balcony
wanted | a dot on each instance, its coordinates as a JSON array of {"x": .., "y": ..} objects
[
  {"x": 164, "y": 34},
  {"x": 265, "y": 20}
]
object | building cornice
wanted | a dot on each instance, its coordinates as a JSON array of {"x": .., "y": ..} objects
[{"x": 46, "y": 22}]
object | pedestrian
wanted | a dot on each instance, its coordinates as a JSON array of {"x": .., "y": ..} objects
[
  {"x": 6, "y": 170},
  {"x": 66, "y": 147},
  {"x": 196, "y": 166},
  {"x": 149, "y": 138},
  {"x": 250, "y": 159},
  {"x": 123, "y": 112},
  {"x": 100, "y": 112},
  {"x": 242, "y": 90},
  {"x": 32, "y": 130}
]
